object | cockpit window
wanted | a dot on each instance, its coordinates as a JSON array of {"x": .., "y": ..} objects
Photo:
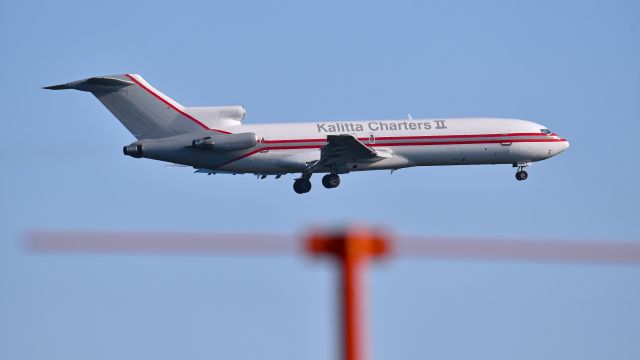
[{"x": 545, "y": 131}]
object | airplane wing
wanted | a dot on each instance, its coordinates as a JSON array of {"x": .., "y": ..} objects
[{"x": 342, "y": 149}]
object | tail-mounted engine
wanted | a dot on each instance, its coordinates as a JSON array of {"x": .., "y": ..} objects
[
  {"x": 133, "y": 150},
  {"x": 222, "y": 143},
  {"x": 168, "y": 147}
]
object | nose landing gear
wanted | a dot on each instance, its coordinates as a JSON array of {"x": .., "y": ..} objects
[{"x": 521, "y": 174}]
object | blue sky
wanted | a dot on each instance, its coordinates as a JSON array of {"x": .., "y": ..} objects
[{"x": 570, "y": 65}]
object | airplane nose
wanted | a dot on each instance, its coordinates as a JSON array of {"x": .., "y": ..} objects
[{"x": 564, "y": 145}]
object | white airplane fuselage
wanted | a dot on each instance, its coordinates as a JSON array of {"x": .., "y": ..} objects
[
  {"x": 214, "y": 140},
  {"x": 288, "y": 147}
]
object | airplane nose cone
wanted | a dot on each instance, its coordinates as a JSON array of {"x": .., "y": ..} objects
[{"x": 562, "y": 146}]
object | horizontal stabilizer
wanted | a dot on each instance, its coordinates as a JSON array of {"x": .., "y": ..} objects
[
  {"x": 57, "y": 87},
  {"x": 94, "y": 84}
]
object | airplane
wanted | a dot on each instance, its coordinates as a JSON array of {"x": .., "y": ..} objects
[{"x": 214, "y": 140}]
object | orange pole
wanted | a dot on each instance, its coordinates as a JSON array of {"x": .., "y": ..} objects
[
  {"x": 351, "y": 249},
  {"x": 352, "y": 330}
]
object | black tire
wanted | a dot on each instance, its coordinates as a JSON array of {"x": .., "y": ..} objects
[
  {"x": 331, "y": 181},
  {"x": 522, "y": 175},
  {"x": 302, "y": 186}
]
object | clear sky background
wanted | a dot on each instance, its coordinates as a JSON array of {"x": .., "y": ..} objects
[{"x": 570, "y": 65}]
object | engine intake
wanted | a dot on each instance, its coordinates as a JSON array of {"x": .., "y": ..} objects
[
  {"x": 229, "y": 142},
  {"x": 205, "y": 143}
]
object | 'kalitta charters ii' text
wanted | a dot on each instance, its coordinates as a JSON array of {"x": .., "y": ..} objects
[{"x": 380, "y": 126}]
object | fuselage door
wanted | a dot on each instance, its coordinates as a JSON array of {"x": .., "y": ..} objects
[{"x": 505, "y": 141}]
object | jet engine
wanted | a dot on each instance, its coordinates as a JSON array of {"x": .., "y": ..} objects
[
  {"x": 229, "y": 142},
  {"x": 133, "y": 150},
  {"x": 178, "y": 147}
]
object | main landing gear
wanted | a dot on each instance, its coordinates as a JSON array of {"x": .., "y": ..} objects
[
  {"x": 302, "y": 184},
  {"x": 331, "y": 181}
]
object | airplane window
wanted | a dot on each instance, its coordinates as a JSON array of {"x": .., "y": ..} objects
[{"x": 545, "y": 131}]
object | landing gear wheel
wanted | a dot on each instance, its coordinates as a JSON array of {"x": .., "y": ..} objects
[
  {"x": 331, "y": 181},
  {"x": 302, "y": 186},
  {"x": 522, "y": 175}
]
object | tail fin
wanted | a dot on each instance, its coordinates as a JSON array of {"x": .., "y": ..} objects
[{"x": 144, "y": 111}]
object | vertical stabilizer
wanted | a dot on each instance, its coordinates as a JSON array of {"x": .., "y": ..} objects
[{"x": 144, "y": 111}]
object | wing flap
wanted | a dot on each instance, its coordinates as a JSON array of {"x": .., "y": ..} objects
[
  {"x": 343, "y": 149},
  {"x": 349, "y": 145}
]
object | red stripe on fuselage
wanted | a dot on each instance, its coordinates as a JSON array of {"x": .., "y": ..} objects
[
  {"x": 270, "y": 148},
  {"x": 469, "y": 142},
  {"x": 287, "y": 141},
  {"x": 173, "y": 106}
]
